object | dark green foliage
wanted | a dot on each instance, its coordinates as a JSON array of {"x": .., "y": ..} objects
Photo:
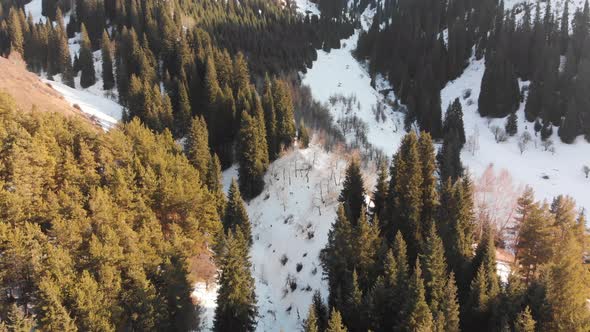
[
  {"x": 511, "y": 126},
  {"x": 454, "y": 121},
  {"x": 352, "y": 195},
  {"x": 86, "y": 60},
  {"x": 236, "y": 216},
  {"x": 108, "y": 80},
  {"x": 251, "y": 158},
  {"x": 236, "y": 301},
  {"x": 381, "y": 189},
  {"x": 500, "y": 94},
  {"x": 405, "y": 197}
]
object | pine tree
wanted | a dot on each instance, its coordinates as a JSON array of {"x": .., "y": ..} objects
[
  {"x": 534, "y": 246},
  {"x": 108, "y": 80},
  {"x": 435, "y": 270},
  {"x": 182, "y": 110},
  {"x": 336, "y": 255},
  {"x": 511, "y": 124},
  {"x": 429, "y": 183},
  {"x": 405, "y": 197},
  {"x": 86, "y": 60},
  {"x": 420, "y": 317},
  {"x": 352, "y": 195},
  {"x": 525, "y": 321},
  {"x": 450, "y": 306},
  {"x": 215, "y": 184},
  {"x": 367, "y": 243},
  {"x": 283, "y": 105},
  {"x": 454, "y": 121},
  {"x": 567, "y": 287},
  {"x": 321, "y": 311},
  {"x": 449, "y": 158},
  {"x": 311, "y": 323},
  {"x": 381, "y": 189},
  {"x": 251, "y": 158},
  {"x": 235, "y": 215},
  {"x": 15, "y": 31},
  {"x": 270, "y": 119},
  {"x": 196, "y": 147},
  {"x": 335, "y": 323},
  {"x": 236, "y": 301}
]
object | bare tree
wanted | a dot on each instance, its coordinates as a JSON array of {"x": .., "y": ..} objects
[
  {"x": 472, "y": 143},
  {"x": 523, "y": 141},
  {"x": 547, "y": 145},
  {"x": 495, "y": 198},
  {"x": 499, "y": 133}
]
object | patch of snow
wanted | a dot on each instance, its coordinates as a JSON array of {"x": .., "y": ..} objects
[
  {"x": 307, "y": 7},
  {"x": 206, "y": 297},
  {"x": 549, "y": 174},
  {"x": 291, "y": 219},
  {"x": 106, "y": 111}
]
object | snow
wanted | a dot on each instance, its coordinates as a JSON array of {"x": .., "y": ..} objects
[
  {"x": 206, "y": 295},
  {"x": 291, "y": 219},
  {"x": 338, "y": 73},
  {"x": 106, "y": 111},
  {"x": 34, "y": 9},
  {"x": 549, "y": 174},
  {"x": 94, "y": 100},
  {"x": 307, "y": 7}
]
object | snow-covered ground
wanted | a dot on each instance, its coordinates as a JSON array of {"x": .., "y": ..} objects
[
  {"x": 290, "y": 224},
  {"x": 105, "y": 110},
  {"x": 307, "y": 7},
  {"x": 549, "y": 174},
  {"x": 94, "y": 100},
  {"x": 338, "y": 73}
]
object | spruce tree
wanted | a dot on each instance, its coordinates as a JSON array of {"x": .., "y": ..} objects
[
  {"x": 321, "y": 310},
  {"x": 419, "y": 315},
  {"x": 236, "y": 301},
  {"x": 335, "y": 257},
  {"x": 429, "y": 183},
  {"x": 335, "y": 323},
  {"x": 108, "y": 80},
  {"x": 405, "y": 197},
  {"x": 525, "y": 321},
  {"x": 86, "y": 60},
  {"x": 450, "y": 306},
  {"x": 15, "y": 31},
  {"x": 381, "y": 189},
  {"x": 567, "y": 287},
  {"x": 270, "y": 119},
  {"x": 196, "y": 147},
  {"x": 250, "y": 158},
  {"x": 435, "y": 271},
  {"x": 311, "y": 323},
  {"x": 454, "y": 121},
  {"x": 215, "y": 184},
  {"x": 352, "y": 195},
  {"x": 182, "y": 110},
  {"x": 283, "y": 105},
  {"x": 235, "y": 215}
]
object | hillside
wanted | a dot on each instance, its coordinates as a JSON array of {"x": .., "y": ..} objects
[{"x": 29, "y": 90}]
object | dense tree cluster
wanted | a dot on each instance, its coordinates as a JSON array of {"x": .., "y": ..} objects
[
  {"x": 96, "y": 229},
  {"x": 410, "y": 264},
  {"x": 419, "y": 46}
]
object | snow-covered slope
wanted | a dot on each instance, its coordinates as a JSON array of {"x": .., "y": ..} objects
[
  {"x": 338, "y": 74},
  {"x": 94, "y": 100},
  {"x": 290, "y": 224},
  {"x": 549, "y": 174}
]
